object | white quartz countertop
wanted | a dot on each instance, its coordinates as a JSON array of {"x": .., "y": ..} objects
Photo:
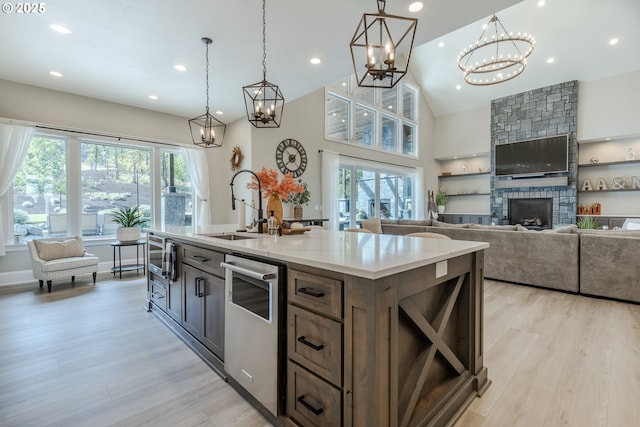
[{"x": 371, "y": 256}]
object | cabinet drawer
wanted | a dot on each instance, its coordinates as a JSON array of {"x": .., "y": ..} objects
[
  {"x": 315, "y": 342},
  {"x": 203, "y": 259},
  {"x": 158, "y": 294},
  {"x": 311, "y": 401},
  {"x": 318, "y": 293}
]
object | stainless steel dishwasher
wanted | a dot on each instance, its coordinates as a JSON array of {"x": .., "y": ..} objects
[{"x": 253, "y": 336}]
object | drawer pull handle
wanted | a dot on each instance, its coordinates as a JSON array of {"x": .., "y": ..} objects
[
  {"x": 199, "y": 258},
  {"x": 311, "y": 292},
  {"x": 316, "y": 411},
  {"x": 157, "y": 295},
  {"x": 310, "y": 344}
]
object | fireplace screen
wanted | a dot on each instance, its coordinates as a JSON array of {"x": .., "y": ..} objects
[{"x": 532, "y": 213}]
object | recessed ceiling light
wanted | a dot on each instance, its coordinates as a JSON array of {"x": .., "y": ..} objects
[
  {"x": 219, "y": 112},
  {"x": 154, "y": 97},
  {"x": 441, "y": 44},
  {"x": 390, "y": 107},
  {"x": 458, "y": 87},
  {"x": 613, "y": 41},
  {"x": 455, "y": 157},
  {"x": 180, "y": 67},
  {"x": 416, "y": 6},
  {"x": 541, "y": 3},
  {"x": 315, "y": 61},
  {"x": 60, "y": 29},
  {"x": 55, "y": 73},
  {"x": 550, "y": 60}
]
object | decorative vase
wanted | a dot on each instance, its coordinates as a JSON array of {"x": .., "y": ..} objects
[
  {"x": 297, "y": 212},
  {"x": 274, "y": 204},
  {"x": 440, "y": 209},
  {"x": 128, "y": 234}
]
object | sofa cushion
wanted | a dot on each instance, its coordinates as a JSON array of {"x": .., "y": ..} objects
[
  {"x": 50, "y": 250},
  {"x": 437, "y": 223},
  {"x": 565, "y": 229},
  {"x": 615, "y": 233},
  {"x": 425, "y": 222},
  {"x": 494, "y": 227},
  {"x": 373, "y": 225}
]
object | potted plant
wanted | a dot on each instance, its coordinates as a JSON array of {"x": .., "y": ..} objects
[
  {"x": 297, "y": 199},
  {"x": 441, "y": 201},
  {"x": 129, "y": 220},
  {"x": 587, "y": 223}
]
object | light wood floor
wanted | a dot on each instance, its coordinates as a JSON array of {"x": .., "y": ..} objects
[
  {"x": 88, "y": 356},
  {"x": 91, "y": 356}
]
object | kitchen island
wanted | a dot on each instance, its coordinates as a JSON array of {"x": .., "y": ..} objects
[{"x": 376, "y": 330}]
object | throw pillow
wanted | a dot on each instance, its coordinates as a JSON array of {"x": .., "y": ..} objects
[
  {"x": 50, "y": 250},
  {"x": 373, "y": 225},
  {"x": 631, "y": 224}
]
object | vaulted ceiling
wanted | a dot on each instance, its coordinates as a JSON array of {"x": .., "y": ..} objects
[{"x": 123, "y": 51}]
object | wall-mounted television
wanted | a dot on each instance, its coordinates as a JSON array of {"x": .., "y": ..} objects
[{"x": 533, "y": 156}]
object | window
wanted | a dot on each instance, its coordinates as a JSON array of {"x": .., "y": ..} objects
[
  {"x": 40, "y": 189},
  {"x": 365, "y": 125},
  {"x": 384, "y": 119},
  {"x": 337, "y": 122},
  {"x": 367, "y": 191},
  {"x": 112, "y": 177},
  {"x": 67, "y": 186},
  {"x": 177, "y": 195}
]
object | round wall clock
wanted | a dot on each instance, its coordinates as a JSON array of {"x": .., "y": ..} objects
[{"x": 291, "y": 157}]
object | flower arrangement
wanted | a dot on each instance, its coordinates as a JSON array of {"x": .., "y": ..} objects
[
  {"x": 271, "y": 184},
  {"x": 299, "y": 198}
]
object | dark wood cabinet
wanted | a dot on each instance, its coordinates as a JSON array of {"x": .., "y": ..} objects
[
  {"x": 203, "y": 305},
  {"x": 174, "y": 300}
]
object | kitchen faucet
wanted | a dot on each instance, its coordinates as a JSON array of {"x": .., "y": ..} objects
[{"x": 233, "y": 198}]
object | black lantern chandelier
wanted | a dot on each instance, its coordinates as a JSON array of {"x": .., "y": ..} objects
[
  {"x": 263, "y": 100},
  {"x": 206, "y": 130},
  {"x": 376, "y": 45},
  {"x": 497, "y": 56}
]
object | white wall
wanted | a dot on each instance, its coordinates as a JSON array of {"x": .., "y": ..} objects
[
  {"x": 606, "y": 108},
  {"x": 303, "y": 120},
  {"x": 609, "y": 107},
  {"x": 464, "y": 133},
  {"x": 59, "y": 109}
]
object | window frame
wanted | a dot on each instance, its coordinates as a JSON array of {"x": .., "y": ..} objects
[
  {"x": 73, "y": 175},
  {"x": 349, "y": 95}
]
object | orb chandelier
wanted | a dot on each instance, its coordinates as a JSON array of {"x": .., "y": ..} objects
[
  {"x": 206, "y": 130},
  {"x": 381, "y": 48},
  {"x": 497, "y": 56},
  {"x": 263, "y": 100}
]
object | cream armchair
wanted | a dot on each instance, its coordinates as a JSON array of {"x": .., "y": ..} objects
[{"x": 60, "y": 258}]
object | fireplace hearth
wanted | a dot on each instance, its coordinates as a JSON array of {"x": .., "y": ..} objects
[{"x": 536, "y": 213}]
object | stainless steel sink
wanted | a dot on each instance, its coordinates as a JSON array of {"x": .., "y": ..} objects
[{"x": 229, "y": 236}]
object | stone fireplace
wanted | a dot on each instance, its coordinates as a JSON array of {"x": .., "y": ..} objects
[
  {"x": 532, "y": 213},
  {"x": 543, "y": 112}
]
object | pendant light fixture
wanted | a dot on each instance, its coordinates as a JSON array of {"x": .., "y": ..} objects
[
  {"x": 206, "y": 130},
  {"x": 381, "y": 48},
  {"x": 497, "y": 56},
  {"x": 263, "y": 100}
]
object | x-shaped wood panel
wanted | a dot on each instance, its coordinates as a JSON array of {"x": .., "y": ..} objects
[{"x": 432, "y": 332}]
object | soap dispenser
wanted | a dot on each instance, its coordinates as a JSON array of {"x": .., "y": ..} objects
[{"x": 272, "y": 224}]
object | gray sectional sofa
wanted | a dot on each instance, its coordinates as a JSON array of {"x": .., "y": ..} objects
[{"x": 592, "y": 262}]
